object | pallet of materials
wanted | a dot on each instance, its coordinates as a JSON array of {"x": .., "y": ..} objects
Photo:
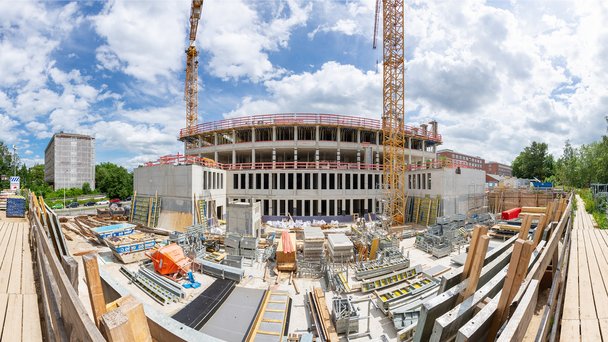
[
  {"x": 390, "y": 279},
  {"x": 340, "y": 248},
  {"x": 314, "y": 242},
  {"x": 131, "y": 248},
  {"x": 221, "y": 271},
  {"x": 376, "y": 268},
  {"x": 15, "y": 206},
  {"x": 405, "y": 292},
  {"x": 286, "y": 252},
  {"x": 120, "y": 229}
]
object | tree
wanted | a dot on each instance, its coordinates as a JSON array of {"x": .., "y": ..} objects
[
  {"x": 113, "y": 180},
  {"x": 534, "y": 162},
  {"x": 7, "y": 164},
  {"x": 86, "y": 188}
]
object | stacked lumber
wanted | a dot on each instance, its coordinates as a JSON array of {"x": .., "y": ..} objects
[
  {"x": 286, "y": 252},
  {"x": 321, "y": 316},
  {"x": 314, "y": 241},
  {"x": 340, "y": 248}
]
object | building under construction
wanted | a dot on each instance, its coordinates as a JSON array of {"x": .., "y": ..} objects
[{"x": 293, "y": 164}]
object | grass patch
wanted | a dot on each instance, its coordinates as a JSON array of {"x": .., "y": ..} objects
[{"x": 593, "y": 208}]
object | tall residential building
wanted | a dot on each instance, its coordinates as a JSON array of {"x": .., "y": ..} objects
[
  {"x": 460, "y": 158},
  {"x": 495, "y": 168},
  {"x": 69, "y": 161}
]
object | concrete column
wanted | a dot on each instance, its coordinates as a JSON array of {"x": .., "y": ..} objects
[
  {"x": 274, "y": 133},
  {"x": 338, "y": 135},
  {"x": 215, "y": 156},
  {"x": 424, "y": 145},
  {"x": 317, "y": 155},
  {"x": 409, "y": 146},
  {"x": 317, "y": 137},
  {"x": 295, "y": 133},
  {"x": 253, "y": 158},
  {"x": 358, "y": 136},
  {"x": 215, "y": 139},
  {"x": 295, "y": 154},
  {"x": 233, "y": 157},
  {"x": 252, "y": 134},
  {"x": 336, "y": 207},
  {"x": 234, "y": 136},
  {"x": 338, "y": 155},
  {"x": 358, "y": 156}
]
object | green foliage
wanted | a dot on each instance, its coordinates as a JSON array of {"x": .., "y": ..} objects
[
  {"x": 534, "y": 162},
  {"x": 7, "y": 164},
  {"x": 579, "y": 167},
  {"x": 593, "y": 207},
  {"x": 86, "y": 188},
  {"x": 113, "y": 180}
]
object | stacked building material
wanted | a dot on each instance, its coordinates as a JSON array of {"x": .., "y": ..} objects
[
  {"x": 340, "y": 248},
  {"x": 232, "y": 244},
  {"x": 286, "y": 252},
  {"x": 249, "y": 245},
  {"x": 345, "y": 315},
  {"x": 15, "y": 206},
  {"x": 3, "y": 197},
  {"x": 314, "y": 241}
]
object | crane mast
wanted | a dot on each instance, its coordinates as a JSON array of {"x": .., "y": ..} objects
[
  {"x": 393, "y": 102},
  {"x": 191, "y": 86}
]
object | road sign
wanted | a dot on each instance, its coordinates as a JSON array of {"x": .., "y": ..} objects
[{"x": 15, "y": 183}]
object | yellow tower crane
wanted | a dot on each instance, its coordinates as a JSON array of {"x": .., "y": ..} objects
[
  {"x": 191, "y": 87},
  {"x": 393, "y": 114}
]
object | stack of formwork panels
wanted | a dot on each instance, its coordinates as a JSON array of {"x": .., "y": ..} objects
[
  {"x": 340, "y": 248},
  {"x": 249, "y": 245},
  {"x": 232, "y": 244},
  {"x": 314, "y": 241}
]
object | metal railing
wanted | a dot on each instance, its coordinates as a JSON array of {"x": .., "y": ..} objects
[{"x": 293, "y": 119}]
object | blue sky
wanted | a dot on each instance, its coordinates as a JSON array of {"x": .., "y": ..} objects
[{"x": 495, "y": 75}]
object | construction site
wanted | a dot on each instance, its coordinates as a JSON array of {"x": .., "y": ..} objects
[{"x": 307, "y": 227}]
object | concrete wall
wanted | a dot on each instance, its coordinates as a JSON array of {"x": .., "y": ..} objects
[
  {"x": 244, "y": 218},
  {"x": 176, "y": 185},
  {"x": 459, "y": 192}
]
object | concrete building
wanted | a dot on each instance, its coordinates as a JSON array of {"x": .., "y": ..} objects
[
  {"x": 69, "y": 161},
  {"x": 462, "y": 159},
  {"x": 305, "y": 164},
  {"x": 461, "y": 189},
  {"x": 298, "y": 164},
  {"x": 495, "y": 168}
]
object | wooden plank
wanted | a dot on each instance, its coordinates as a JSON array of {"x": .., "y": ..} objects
[
  {"x": 14, "y": 317},
  {"x": 14, "y": 284},
  {"x": 116, "y": 327},
  {"x": 599, "y": 275},
  {"x": 7, "y": 262},
  {"x": 3, "y": 304},
  {"x": 477, "y": 232},
  {"x": 590, "y": 330},
  {"x": 28, "y": 285},
  {"x": 540, "y": 228},
  {"x": 518, "y": 266},
  {"x": 31, "y": 325},
  {"x": 138, "y": 322},
  {"x": 570, "y": 330},
  {"x": 537, "y": 210},
  {"x": 515, "y": 329},
  {"x": 481, "y": 249},
  {"x": 91, "y": 271},
  {"x": 587, "y": 311},
  {"x": 526, "y": 222}
]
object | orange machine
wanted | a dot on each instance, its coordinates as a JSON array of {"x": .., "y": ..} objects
[{"x": 170, "y": 259}]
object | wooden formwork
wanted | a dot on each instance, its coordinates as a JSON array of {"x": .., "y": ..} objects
[{"x": 502, "y": 199}]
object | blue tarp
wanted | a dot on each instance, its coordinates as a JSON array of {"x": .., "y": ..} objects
[{"x": 542, "y": 184}]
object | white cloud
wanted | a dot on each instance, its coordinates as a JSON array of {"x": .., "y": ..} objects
[
  {"x": 239, "y": 43},
  {"x": 335, "y": 88},
  {"x": 144, "y": 39}
]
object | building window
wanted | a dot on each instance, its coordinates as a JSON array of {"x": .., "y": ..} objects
[
  {"x": 409, "y": 182},
  {"x": 428, "y": 179},
  {"x": 418, "y": 182},
  {"x": 424, "y": 181}
]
